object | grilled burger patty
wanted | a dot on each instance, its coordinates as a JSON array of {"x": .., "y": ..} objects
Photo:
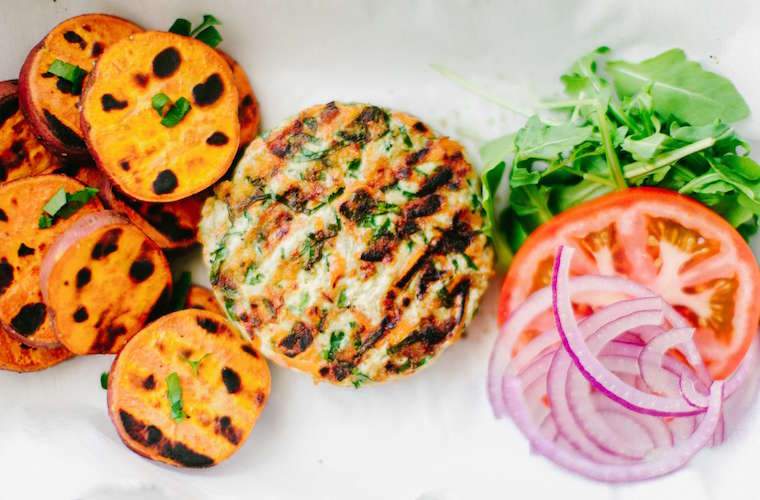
[{"x": 348, "y": 243}]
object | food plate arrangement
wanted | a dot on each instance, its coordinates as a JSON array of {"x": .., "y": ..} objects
[{"x": 353, "y": 243}]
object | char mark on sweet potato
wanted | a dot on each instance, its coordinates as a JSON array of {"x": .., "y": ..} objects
[
  {"x": 25, "y": 251},
  {"x": 231, "y": 380},
  {"x": 165, "y": 182},
  {"x": 208, "y": 324},
  {"x": 29, "y": 318},
  {"x": 149, "y": 383},
  {"x": 84, "y": 275},
  {"x": 108, "y": 244},
  {"x": 63, "y": 133},
  {"x": 217, "y": 139},
  {"x": 8, "y": 108},
  {"x": 209, "y": 91},
  {"x": 166, "y": 62},
  {"x": 73, "y": 38},
  {"x": 250, "y": 350},
  {"x": 97, "y": 49},
  {"x": 6, "y": 275},
  {"x": 109, "y": 102},
  {"x": 225, "y": 428},
  {"x": 81, "y": 315},
  {"x": 141, "y": 270}
]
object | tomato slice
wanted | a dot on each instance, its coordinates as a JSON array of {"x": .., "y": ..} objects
[{"x": 665, "y": 241}]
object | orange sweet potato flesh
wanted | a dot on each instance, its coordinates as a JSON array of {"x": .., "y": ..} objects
[
  {"x": 18, "y": 357},
  {"x": 222, "y": 399},
  {"x": 200, "y": 297},
  {"x": 50, "y": 102},
  {"x": 22, "y": 246},
  {"x": 248, "y": 105},
  {"x": 147, "y": 160},
  {"x": 21, "y": 154},
  {"x": 105, "y": 287}
]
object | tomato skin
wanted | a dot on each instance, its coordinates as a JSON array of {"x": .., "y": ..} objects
[{"x": 516, "y": 286}]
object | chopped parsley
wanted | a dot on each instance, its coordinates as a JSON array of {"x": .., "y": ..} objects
[
  {"x": 63, "y": 205},
  {"x": 69, "y": 72},
  {"x": 205, "y": 32},
  {"x": 252, "y": 277},
  {"x": 342, "y": 299},
  {"x": 229, "y": 303},
  {"x": 217, "y": 258},
  {"x": 174, "y": 395},
  {"x": 104, "y": 380},
  {"x": 353, "y": 167},
  {"x": 358, "y": 378},
  {"x": 195, "y": 365},
  {"x": 470, "y": 262},
  {"x": 171, "y": 113},
  {"x": 336, "y": 340}
]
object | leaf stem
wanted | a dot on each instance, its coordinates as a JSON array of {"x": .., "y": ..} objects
[
  {"x": 544, "y": 214},
  {"x": 475, "y": 89},
  {"x": 638, "y": 169},
  {"x": 609, "y": 150}
]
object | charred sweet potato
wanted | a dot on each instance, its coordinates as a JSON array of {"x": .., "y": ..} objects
[
  {"x": 200, "y": 297},
  {"x": 18, "y": 357},
  {"x": 159, "y": 114},
  {"x": 22, "y": 246},
  {"x": 187, "y": 390},
  {"x": 21, "y": 154},
  {"x": 48, "y": 101},
  {"x": 248, "y": 106},
  {"x": 102, "y": 280}
]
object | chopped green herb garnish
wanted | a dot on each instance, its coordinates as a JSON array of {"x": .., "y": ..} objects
[
  {"x": 176, "y": 113},
  {"x": 342, "y": 299},
  {"x": 181, "y": 290},
  {"x": 217, "y": 258},
  {"x": 205, "y": 32},
  {"x": 63, "y": 205},
  {"x": 470, "y": 262},
  {"x": 104, "y": 380},
  {"x": 195, "y": 365},
  {"x": 336, "y": 340},
  {"x": 158, "y": 102},
  {"x": 358, "y": 378},
  {"x": 174, "y": 395},
  {"x": 228, "y": 306},
  {"x": 252, "y": 277},
  {"x": 69, "y": 72},
  {"x": 353, "y": 166}
]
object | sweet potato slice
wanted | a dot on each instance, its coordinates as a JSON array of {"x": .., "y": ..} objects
[
  {"x": 248, "y": 105},
  {"x": 149, "y": 156},
  {"x": 200, "y": 297},
  {"x": 48, "y": 101},
  {"x": 21, "y": 154},
  {"x": 102, "y": 280},
  {"x": 22, "y": 246},
  {"x": 223, "y": 386},
  {"x": 18, "y": 357}
]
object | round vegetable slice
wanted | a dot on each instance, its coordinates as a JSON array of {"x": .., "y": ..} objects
[
  {"x": 52, "y": 75},
  {"x": 102, "y": 280},
  {"x": 22, "y": 246},
  {"x": 175, "y": 129},
  {"x": 21, "y": 154},
  {"x": 667, "y": 242},
  {"x": 248, "y": 106},
  {"x": 200, "y": 297},
  {"x": 187, "y": 390},
  {"x": 18, "y": 357}
]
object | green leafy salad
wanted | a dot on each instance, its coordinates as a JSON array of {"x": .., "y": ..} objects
[{"x": 662, "y": 122}]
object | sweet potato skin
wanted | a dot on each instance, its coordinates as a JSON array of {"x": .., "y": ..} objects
[
  {"x": 105, "y": 287},
  {"x": 200, "y": 297},
  {"x": 222, "y": 399},
  {"x": 22, "y": 246},
  {"x": 49, "y": 105},
  {"x": 21, "y": 154},
  {"x": 149, "y": 161},
  {"x": 248, "y": 106}
]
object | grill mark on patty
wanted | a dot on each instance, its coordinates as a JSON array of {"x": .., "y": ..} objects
[
  {"x": 299, "y": 339},
  {"x": 440, "y": 177}
]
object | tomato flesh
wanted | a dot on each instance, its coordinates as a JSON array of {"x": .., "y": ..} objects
[{"x": 670, "y": 243}]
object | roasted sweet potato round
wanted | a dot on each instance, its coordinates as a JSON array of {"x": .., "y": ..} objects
[
  {"x": 159, "y": 114},
  {"x": 187, "y": 390},
  {"x": 200, "y": 297},
  {"x": 49, "y": 101},
  {"x": 102, "y": 280},
  {"x": 18, "y": 357},
  {"x": 248, "y": 105},
  {"x": 22, "y": 246},
  {"x": 21, "y": 154}
]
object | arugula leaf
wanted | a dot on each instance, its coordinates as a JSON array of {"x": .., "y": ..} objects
[
  {"x": 181, "y": 290},
  {"x": 680, "y": 88},
  {"x": 547, "y": 142},
  {"x": 174, "y": 395}
]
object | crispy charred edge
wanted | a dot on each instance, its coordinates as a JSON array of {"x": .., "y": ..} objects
[
  {"x": 162, "y": 221},
  {"x": 299, "y": 339},
  {"x": 150, "y": 437},
  {"x": 36, "y": 118},
  {"x": 371, "y": 123}
]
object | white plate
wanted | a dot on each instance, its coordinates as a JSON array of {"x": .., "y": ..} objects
[{"x": 432, "y": 436}]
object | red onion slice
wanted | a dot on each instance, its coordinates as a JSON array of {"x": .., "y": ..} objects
[
  {"x": 653, "y": 354},
  {"x": 590, "y": 366},
  {"x": 667, "y": 461}
]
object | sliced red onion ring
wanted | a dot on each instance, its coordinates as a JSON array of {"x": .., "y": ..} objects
[
  {"x": 667, "y": 461},
  {"x": 583, "y": 357},
  {"x": 651, "y": 360},
  {"x": 81, "y": 228}
]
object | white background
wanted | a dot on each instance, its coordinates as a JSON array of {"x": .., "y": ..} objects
[{"x": 430, "y": 437}]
